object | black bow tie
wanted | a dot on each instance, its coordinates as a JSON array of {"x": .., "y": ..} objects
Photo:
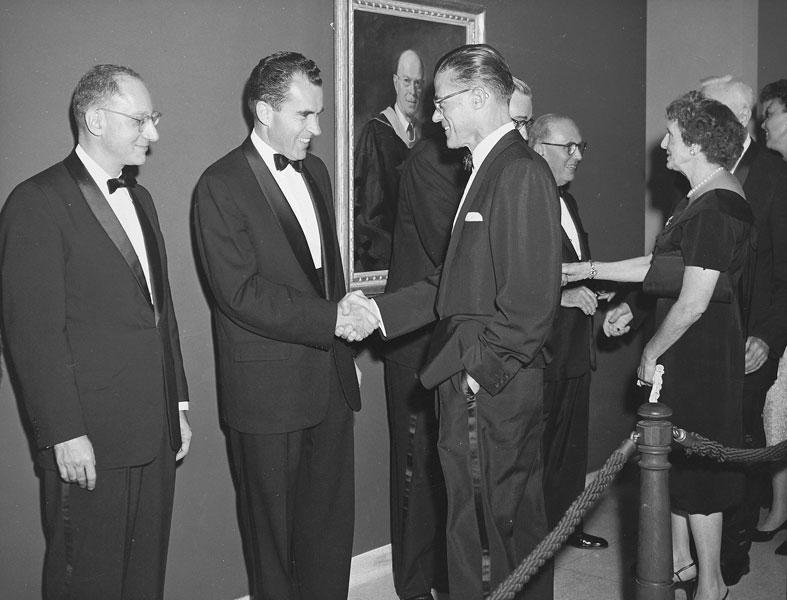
[
  {"x": 282, "y": 161},
  {"x": 126, "y": 181}
]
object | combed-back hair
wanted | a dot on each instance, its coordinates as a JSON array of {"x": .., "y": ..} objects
[
  {"x": 709, "y": 124},
  {"x": 479, "y": 64},
  {"x": 541, "y": 129},
  {"x": 522, "y": 87},
  {"x": 97, "y": 86},
  {"x": 776, "y": 90},
  {"x": 270, "y": 80}
]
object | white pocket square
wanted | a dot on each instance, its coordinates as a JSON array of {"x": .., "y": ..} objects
[{"x": 473, "y": 216}]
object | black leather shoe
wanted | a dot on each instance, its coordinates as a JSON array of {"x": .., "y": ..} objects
[
  {"x": 421, "y": 597},
  {"x": 766, "y": 536},
  {"x": 732, "y": 570},
  {"x": 585, "y": 541}
]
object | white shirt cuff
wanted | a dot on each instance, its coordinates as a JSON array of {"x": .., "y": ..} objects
[
  {"x": 376, "y": 311},
  {"x": 183, "y": 405}
]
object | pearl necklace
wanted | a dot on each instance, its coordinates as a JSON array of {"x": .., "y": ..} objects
[{"x": 704, "y": 181}]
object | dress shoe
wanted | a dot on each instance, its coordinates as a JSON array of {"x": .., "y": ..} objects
[
  {"x": 766, "y": 536},
  {"x": 421, "y": 597},
  {"x": 782, "y": 550},
  {"x": 733, "y": 569},
  {"x": 585, "y": 541}
]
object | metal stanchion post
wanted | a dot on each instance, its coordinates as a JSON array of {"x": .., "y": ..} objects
[{"x": 654, "y": 551}]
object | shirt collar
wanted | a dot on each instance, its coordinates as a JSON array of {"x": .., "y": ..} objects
[
  {"x": 400, "y": 115},
  {"x": 746, "y": 144},
  {"x": 96, "y": 171},
  {"x": 485, "y": 146},
  {"x": 265, "y": 151}
]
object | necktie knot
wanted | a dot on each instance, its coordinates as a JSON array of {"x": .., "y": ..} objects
[
  {"x": 282, "y": 161},
  {"x": 126, "y": 181}
]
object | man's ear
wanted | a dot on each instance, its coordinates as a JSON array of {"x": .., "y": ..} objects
[
  {"x": 263, "y": 112},
  {"x": 478, "y": 97},
  {"x": 95, "y": 121},
  {"x": 539, "y": 148}
]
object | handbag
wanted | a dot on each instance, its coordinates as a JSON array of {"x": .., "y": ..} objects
[{"x": 665, "y": 278}]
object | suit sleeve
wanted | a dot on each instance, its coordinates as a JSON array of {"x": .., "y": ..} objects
[
  {"x": 526, "y": 254},
  {"x": 33, "y": 275},
  {"x": 241, "y": 287}
]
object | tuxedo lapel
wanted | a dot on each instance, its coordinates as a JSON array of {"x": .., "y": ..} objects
[
  {"x": 107, "y": 219},
  {"x": 283, "y": 211},
  {"x": 154, "y": 256},
  {"x": 327, "y": 236},
  {"x": 573, "y": 212},
  {"x": 744, "y": 166}
]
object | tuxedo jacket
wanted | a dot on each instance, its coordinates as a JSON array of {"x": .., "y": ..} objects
[
  {"x": 275, "y": 314},
  {"x": 764, "y": 178},
  {"x": 571, "y": 343},
  {"x": 91, "y": 354},
  {"x": 498, "y": 289},
  {"x": 431, "y": 186}
]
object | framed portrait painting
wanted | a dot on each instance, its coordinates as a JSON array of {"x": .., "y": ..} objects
[{"x": 385, "y": 55}]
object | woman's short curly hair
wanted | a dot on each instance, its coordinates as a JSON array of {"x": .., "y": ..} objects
[{"x": 709, "y": 124}]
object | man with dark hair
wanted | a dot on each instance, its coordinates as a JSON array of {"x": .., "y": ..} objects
[
  {"x": 495, "y": 297},
  {"x": 266, "y": 236},
  {"x": 91, "y": 335},
  {"x": 567, "y": 377},
  {"x": 764, "y": 179},
  {"x": 382, "y": 147}
]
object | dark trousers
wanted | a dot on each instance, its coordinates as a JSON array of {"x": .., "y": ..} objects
[
  {"x": 565, "y": 445},
  {"x": 741, "y": 520},
  {"x": 296, "y": 507},
  {"x": 417, "y": 486},
  {"x": 490, "y": 449},
  {"x": 110, "y": 542}
]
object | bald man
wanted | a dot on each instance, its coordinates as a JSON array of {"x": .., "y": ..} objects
[
  {"x": 763, "y": 176},
  {"x": 382, "y": 147}
]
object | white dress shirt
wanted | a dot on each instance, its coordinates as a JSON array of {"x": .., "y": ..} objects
[
  {"x": 298, "y": 197},
  {"x": 567, "y": 222}
]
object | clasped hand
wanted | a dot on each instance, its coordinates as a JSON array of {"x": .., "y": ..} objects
[{"x": 356, "y": 317}]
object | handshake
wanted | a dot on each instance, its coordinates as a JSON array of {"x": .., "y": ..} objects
[{"x": 356, "y": 317}]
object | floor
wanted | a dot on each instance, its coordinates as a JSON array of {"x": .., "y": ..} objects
[{"x": 604, "y": 574}]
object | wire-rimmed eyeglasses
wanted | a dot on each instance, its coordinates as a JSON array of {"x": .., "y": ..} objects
[
  {"x": 571, "y": 147},
  {"x": 142, "y": 121},
  {"x": 526, "y": 123}
]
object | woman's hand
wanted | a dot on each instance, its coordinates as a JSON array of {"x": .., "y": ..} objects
[
  {"x": 646, "y": 369},
  {"x": 617, "y": 320},
  {"x": 575, "y": 271}
]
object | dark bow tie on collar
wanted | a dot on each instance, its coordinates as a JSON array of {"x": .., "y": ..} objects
[
  {"x": 126, "y": 181},
  {"x": 282, "y": 161}
]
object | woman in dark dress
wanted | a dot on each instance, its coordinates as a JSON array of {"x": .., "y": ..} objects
[{"x": 694, "y": 273}]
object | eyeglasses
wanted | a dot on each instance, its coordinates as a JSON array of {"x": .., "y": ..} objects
[
  {"x": 571, "y": 147},
  {"x": 142, "y": 122},
  {"x": 439, "y": 101},
  {"x": 526, "y": 123}
]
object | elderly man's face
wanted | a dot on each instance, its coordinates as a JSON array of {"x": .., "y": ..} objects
[
  {"x": 121, "y": 142},
  {"x": 775, "y": 126},
  {"x": 562, "y": 165},
  {"x": 408, "y": 83},
  {"x": 520, "y": 109}
]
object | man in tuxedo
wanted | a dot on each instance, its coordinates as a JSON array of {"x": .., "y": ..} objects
[
  {"x": 266, "y": 235},
  {"x": 764, "y": 303},
  {"x": 383, "y": 145},
  {"x": 495, "y": 297},
  {"x": 93, "y": 344},
  {"x": 567, "y": 377}
]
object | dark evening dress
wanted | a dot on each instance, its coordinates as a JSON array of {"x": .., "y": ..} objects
[{"x": 704, "y": 369}]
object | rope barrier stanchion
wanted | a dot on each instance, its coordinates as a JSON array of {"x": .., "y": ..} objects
[
  {"x": 654, "y": 545},
  {"x": 547, "y": 547}
]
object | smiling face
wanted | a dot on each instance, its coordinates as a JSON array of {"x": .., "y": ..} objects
[
  {"x": 455, "y": 113},
  {"x": 408, "y": 83},
  {"x": 678, "y": 153},
  {"x": 775, "y": 126},
  {"x": 117, "y": 140},
  {"x": 290, "y": 128},
  {"x": 562, "y": 165}
]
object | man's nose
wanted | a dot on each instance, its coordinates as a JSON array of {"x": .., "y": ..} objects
[{"x": 437, "y": 116}]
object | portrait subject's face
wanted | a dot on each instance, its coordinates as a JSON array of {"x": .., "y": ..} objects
[
  {"x": 292, "y": 126},
  {"x": 775, "y": 125},
  {"x": 563, "y": 165},
  {"x": 408, "y": 83},
  {"x": 121, "y": 143}
]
